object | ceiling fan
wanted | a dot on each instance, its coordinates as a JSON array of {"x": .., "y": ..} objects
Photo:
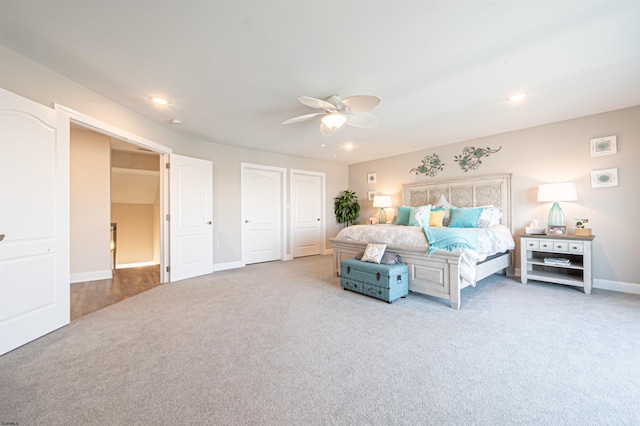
[{"x": 336, "y": 112}]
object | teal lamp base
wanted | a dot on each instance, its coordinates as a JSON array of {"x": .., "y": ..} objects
[
  {"x": 382, "y": 218},
  {"x": 556, "y": 216}
]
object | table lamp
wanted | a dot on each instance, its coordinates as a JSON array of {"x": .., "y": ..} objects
[
  {"x": 382, "y": 201},
  {"x": 556, "y": 192}
]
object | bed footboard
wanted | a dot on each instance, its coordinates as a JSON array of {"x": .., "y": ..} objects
[{"x": 436, "y": 275}]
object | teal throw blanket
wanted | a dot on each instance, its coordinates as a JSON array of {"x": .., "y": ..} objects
[{"x": 450, "y": 239}]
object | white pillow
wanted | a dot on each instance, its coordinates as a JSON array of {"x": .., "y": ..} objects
[
  {"x": 442, "y": 202},
  {"x": 420, "y": 216},
  {"x": 489, "y": 217}
]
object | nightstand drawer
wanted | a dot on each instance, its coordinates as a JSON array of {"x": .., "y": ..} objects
[
  {"x": 576, "y": 247},
  {"x": 560, "y": 246},
  {"x": 547, "y": 245},
  {"x": 534, "y": 245}
]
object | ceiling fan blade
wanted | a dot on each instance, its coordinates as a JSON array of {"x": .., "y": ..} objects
[
  {"x": 316, "y": 103},
  {"x": 326, "y": 130},
  {"x": 364, "y": 120},
  {"x": 361, "y": 103},
  {"x": 301, "y": 118}
]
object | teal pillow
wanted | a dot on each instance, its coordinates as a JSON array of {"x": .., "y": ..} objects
[
  {"x": 465, "y": 217},
  {"x": 419, "y": 216},
  {"x": 403, "y": 215}
]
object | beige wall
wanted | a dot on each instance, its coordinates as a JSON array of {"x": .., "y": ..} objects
[
  {"x": 38, "y": 83},
  {"x": 545, "y": 154},
  {"x": 226, "y": 190},
  {"x": 135, "y": 232},
  {"x": 89, "y": 206}
]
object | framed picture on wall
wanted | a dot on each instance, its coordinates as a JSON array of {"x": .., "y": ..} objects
[
  {"x": 371, "y": 178},
  {"x": 370, "y": 195},
  {"x": 604, "y": 146},
  {"x": 604, "y": 178}
]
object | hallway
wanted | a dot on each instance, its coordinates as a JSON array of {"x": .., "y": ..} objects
[{"x": 90, "y": 296}]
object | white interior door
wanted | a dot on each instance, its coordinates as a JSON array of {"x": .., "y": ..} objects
[
  {"x": 262, "y": 209},
  {"x": 307, "y": 207},
  {"x": 191, "y": 220},
  {"x": 34, "y": 220}
]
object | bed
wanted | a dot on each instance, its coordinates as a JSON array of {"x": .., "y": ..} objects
[{"x": 441, "y": 273}]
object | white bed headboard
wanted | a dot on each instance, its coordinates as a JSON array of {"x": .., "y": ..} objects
[{"x": 466, "y": 192}]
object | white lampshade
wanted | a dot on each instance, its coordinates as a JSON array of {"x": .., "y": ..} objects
[
  {"x": 554, "y": 192},
  {"x": 382, "y": 201},
  {"x": 334, "y": 120}
]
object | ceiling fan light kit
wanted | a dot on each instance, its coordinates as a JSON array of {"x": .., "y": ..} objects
[
  {"x": 352, "y": 111},
  {"x": 334, "y": 120}
]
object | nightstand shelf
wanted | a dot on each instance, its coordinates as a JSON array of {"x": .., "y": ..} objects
[
  {"x": 535, "y": 248},
  {"x": 540, "y": 261}
]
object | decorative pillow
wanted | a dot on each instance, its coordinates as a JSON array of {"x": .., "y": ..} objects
[
  {"x": 443, "y": 203},
  {"x": 465, "y": 217},
  {"x": 419, "y": 216},
  {"x": 436, "y": 216},
  {"x": 403, "y": 215},
  {"x": 388, "y": 258},
  {"x": 373, "y": 253},
  {"x": 489, "y": 217}
]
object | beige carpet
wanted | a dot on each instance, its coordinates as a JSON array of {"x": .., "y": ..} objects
[{"x": 282, "y": 344}]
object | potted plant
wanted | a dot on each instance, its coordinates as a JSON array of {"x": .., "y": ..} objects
[{"x": 346, "y": 207}]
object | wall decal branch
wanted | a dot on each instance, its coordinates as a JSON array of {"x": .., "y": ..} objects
[
  {"x": 431, "y": 164},
  {"x": 470, "y": 158}
]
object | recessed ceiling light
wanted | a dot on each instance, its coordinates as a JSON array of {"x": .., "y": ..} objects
[
  {"x": 348, "y": 146},
  {"x": 175, "y": 121},
  {"x": 517, "y": 97},
  {"x": 322, "y": 145},
  {"x": 159, "y": 101}
]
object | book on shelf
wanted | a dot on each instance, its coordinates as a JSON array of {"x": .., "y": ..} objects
[{"x": 557, "y": 261}]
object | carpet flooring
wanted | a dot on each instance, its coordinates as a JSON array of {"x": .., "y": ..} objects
[{"x": 281, "y": 343}]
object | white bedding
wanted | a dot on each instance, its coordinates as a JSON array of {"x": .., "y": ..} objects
[{"x": 493, "y": 240}]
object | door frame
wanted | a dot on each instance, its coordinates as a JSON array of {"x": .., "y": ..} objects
[
  {"x": 113, "y": 131},
  {"x": 285, "y": 252},
  {"x": 323, "y": 201}
]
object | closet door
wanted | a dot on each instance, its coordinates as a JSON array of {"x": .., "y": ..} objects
[
  {"x": 262, "y": 213},
  {"x": 34, "y": 220},
  {"x": 307, "y": 207}
]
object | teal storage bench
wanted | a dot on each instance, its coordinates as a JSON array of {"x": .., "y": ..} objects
[{"x": 385, "y": 282}]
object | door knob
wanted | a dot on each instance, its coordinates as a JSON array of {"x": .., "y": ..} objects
[
  {"x": 318, "y": 219},
  {"x": 246, "y": 221},
  {"x": 1, "y": 237},
  {"x": 209, "y": 223}
]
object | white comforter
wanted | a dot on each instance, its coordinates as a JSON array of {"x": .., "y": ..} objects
[{"x": 496, "y": 239}]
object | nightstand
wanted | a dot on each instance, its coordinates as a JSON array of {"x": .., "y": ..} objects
[{"x": 568, "y": 259}]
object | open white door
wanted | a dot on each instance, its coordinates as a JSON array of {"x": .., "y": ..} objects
[
  {"x": 34, "y": 220},
  {"x": 191, "y": 220}
]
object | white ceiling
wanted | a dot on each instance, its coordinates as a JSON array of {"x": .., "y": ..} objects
[{"x": 233, "y": 69}]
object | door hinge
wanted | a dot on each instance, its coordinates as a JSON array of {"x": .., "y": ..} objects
[
  {"x": 168, "y": 165},
  {"x": 168, "y": 217},
  {"x": 168, "y": 268}
]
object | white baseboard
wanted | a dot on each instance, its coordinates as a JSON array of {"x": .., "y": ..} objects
[
  {"x": 91, "y": 276},
  {"x": 228, "y": 265},
  {"x": 622, "y": 287},
  {"x": 619, "y": 286}
]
